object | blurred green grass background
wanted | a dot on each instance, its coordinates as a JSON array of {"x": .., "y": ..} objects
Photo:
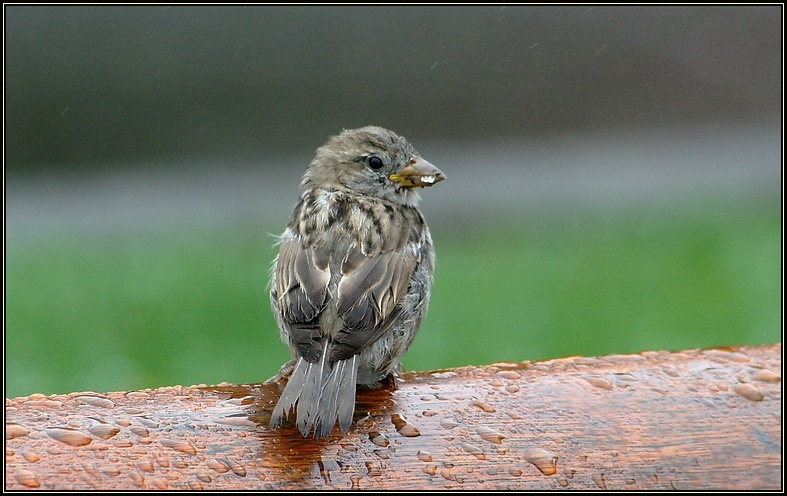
[{"x": 125, "y": 310}]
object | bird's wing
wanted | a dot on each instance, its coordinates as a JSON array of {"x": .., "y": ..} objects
[
  {"x": 367, "y": 294},
  {"x": 302, "y": 277},
  {"x": 370, "y": 288}
]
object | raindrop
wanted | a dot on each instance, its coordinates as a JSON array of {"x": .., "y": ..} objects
[
  {"x": 196, "y": 485},
  {"x": 372, "y": 470},
  {"x": 670, "y": 371},
  {"x": 160, "y": 483},
  {"x": 448, "y": 424},
  {"x": 479, "y": 372},
  {"x": 96, "y": 401},
  {"x": 765, "y": 375},
  {"x": 544, "y": 461},
  {"x": 26, "y": 478},
  {"x": 145, "y": 466},
  {"x": 69, "y": 436},
  {"x": 474, "y": 450},
  {"x": 505, "y": 365},
  {"x": 600, "y": 481},
  {"x": 104, "y": 431},
  {"x": 404, "y": 427},
  {"x": 181, "y": 446},
  {"x": 490, "y": 435},
  {"x": 730, "y": 356},
  {"x": 31, "y": 457},
  {"x": 483, "y": 406},
  {"x": 599, "y": 382},
  {"x": 236, "y": 467},
  {"x": 44, "y": 403},
  {"x": 355, "y": 481},
  {"x": 112, "y": 471},
  {"x": 218, "y": 465},
  {"x": 424, "y": 456},
  {"x": 150, "y": 424},
  {"x": 509, "y": 374},
  {"x": 379, "y": 439},
  {"x": 138, "y": 479},
  {"x": 430, "y": 469},
  {"x": 236, "y": 421},
  {"x": 15, "y": 430},
  {"x": 202, "y": 476},
  {"x": 748, "y": 391},
  {"x": 140, "y": 431}
]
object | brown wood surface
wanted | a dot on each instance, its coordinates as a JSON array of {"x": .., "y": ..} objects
[{"x": 698, "y": 419}]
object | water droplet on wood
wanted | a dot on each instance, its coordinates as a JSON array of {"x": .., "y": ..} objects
[
  {"x": 474, "y": 450},
  {"x": 26, "y": 478},
  {"x": 181, "y": 446},
  {"x": 599, "y": 382},
  {"x": 15, "y": 430},
  {"x": 483, "y": 406},
  {"x": 748, "y": 391},
  {"x": 104, "y": 431},
  {"x": 69, "y": 436},
  {"x": 96, "y": 401},
  {"x": 424, "y": 456},
  {"x": 490, "y": 435},
  {"x": 765, "y": 375},
  {"x": 544, "y": 461}
]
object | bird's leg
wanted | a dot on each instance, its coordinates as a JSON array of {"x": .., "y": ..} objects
[
  {"x": 284, "y": 371},
  {"x": 387, "y": 382},
  {"x": 390, "y": 381}
]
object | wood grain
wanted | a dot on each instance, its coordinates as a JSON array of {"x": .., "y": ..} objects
[{"x": 691, "y": 420}]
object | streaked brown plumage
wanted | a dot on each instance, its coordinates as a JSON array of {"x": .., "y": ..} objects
[{"x": 351, "y": 282}]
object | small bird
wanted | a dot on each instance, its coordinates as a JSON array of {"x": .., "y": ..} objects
[{"x": 351, "y": 282}]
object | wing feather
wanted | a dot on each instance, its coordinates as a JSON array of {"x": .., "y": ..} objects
[
  {"x": 368, "y": 297},
  {"x": 302, "y": 278}
]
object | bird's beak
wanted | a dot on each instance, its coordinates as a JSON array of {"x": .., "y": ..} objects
[{"x": 417, "y": 174}]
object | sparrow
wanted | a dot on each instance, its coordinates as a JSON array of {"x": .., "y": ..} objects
[{"x": 351, "y": 282}]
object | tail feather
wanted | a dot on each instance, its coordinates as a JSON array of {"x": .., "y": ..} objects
[
  {"x": 346, "y": 394},
  {"x": 290, "y": 395},
  {"x": 308, "y": 404},
  {"x": 326, "y": 413},
  {"x": 324, "y": 393}
]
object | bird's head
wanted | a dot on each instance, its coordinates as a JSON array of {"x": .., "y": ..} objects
[{"x": 371, "y": 161}]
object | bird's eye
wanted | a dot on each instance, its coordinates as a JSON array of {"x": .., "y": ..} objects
[{"x": 374, "y": 162}]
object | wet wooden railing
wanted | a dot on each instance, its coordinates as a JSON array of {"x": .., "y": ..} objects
[{"x": 692, "y": 420}]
